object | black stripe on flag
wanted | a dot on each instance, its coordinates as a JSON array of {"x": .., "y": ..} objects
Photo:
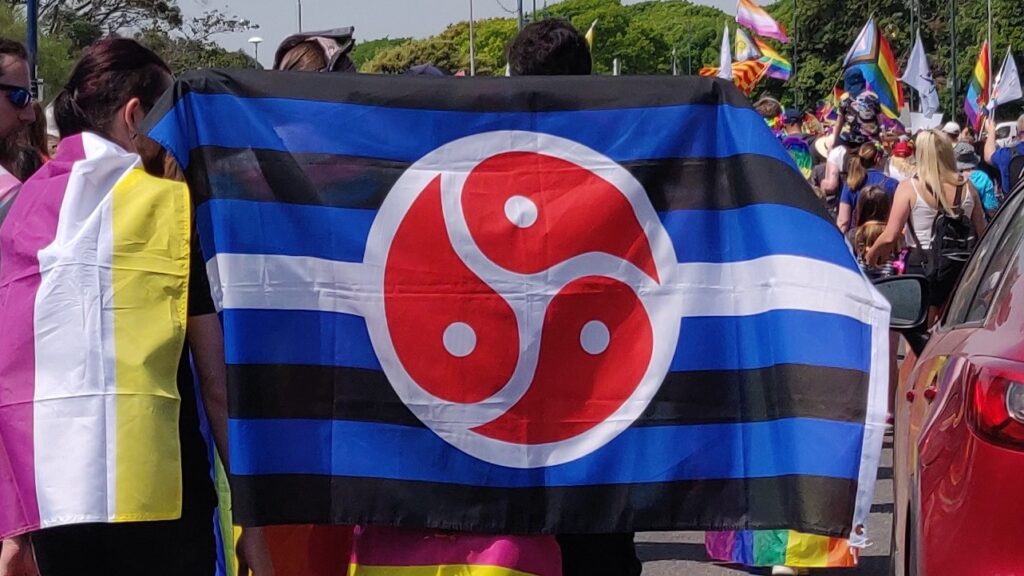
[
  {"x": 751, "y": 503},
  {"x": 356, "y": 182},
  {"x": 328, "y": 393},
  {"x": 526, "y": 94}
]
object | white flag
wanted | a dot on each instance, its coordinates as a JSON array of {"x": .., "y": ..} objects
[
  {"x": 745, "y": 47},
  {"x": 919, "y": 77},
  {"x": 1007, "y": 85},
  {"x": 725, "y": 60}
]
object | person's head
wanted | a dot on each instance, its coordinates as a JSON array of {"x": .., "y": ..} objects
[
  {"x": 868, "y": 156},
  {"x": 113, "y": 86},
  {"x": 854, "y": 82},
  {"x": 793, "y": 121},
  {"x": 547, "y": 48},
  {"x": 936, "y": 164},
  {"x": 768, "y": 108},
  {"x": 325, "y": 51},
  {"x": 967, "y": 135},
  {"x": 15, "y": 84},
  {"x": 951, "y": 130},
  {"x": 966, "y": 158}
]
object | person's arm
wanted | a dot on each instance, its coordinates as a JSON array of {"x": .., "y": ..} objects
[
  {"x": 831, "y": 182},
  {"x": 845, "y": 212},
  {"x": 978, "y": 211},
  {"x": 898, "y": 216},
  {"x": 990, "y": 139},
  {"x": 16, "y": 557},
  {"x": 206, "y": 341}
]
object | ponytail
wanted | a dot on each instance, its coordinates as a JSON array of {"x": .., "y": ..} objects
[{"x": 866, "y": 157}]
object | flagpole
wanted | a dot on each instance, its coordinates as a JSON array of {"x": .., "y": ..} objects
[
  {"x": 472, "y": 41},
  {"x": 989, "y": 95},
  {"x": 796, "y": 39},
  {"x": 952, "y": 59}
]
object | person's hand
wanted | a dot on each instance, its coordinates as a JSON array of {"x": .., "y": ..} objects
[
  {"x": 16, "y": 558},
  {"x": 990, "y": 125},
  {"x": 873, "y": 256},
  {"x": 253, "y": 554}
]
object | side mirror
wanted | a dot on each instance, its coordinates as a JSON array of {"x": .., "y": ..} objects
[{"x": 908, "y": 298}]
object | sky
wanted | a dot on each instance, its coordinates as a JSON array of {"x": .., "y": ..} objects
[{"x": 371, "y": 18}]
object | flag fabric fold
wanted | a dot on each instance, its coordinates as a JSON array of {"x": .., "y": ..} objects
[
  {"x": 778, "y": 67},
  {"x": 590, "y": 34},
  {"x": 92, "y": 302},
  {"x": 725, "y": 56},
  {"x": 1006, "y": 88},
  {"x": 745, "y": 75},
  {"x": 749, "y": 14},
  {"x": 400, "y": 250},
  {"x": 918, "y": 76},
  {"x": 873, "y": 56},
  {"x": 978, "y": 89},
  {"x": 745, "y": 47}
]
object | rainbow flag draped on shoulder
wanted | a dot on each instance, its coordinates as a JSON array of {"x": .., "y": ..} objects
[
  {"x": 978, "y": 89},
  {"x": 88, "y": 392},
  {"x": 872, "y": 55}
]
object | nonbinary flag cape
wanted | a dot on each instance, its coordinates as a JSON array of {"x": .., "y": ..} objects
[
  {"x": 1007, "y": 85},
  {"x": 749, "y": 14},
  {"x": 978, "y": 89},
  {"x": 745, "y": 47},
  {"x": 725, "y": 56},
  {"x": 485, "y": 305},
  {"x": 745, "y": 75},
  {"x": 873, "y": 56},
  {"x": 778, "y": 67},
  {"x": 94, "y": 260},
  {"x": 919, "y": 77}
]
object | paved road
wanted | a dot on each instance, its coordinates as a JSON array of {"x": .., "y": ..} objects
[{"x": 682, "y": 553}]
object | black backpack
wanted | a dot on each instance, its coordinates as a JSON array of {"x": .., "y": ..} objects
[
  {"x": 1015, "y": 170},
  {"x": 953, "y": 241}
]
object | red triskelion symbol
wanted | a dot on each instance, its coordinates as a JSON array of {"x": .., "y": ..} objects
[{"x": 524, "y": 314}]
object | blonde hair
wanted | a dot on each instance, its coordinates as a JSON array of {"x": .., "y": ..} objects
[
  {"x": 936, "y": 165},
  {"x": 865, "y": 236},
  {"x": 867, "y": 157},
  {"x": 306, "y": 56}
]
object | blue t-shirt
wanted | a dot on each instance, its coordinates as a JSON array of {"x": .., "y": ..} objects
[
  {"x": 986, "y": 189},
  {"x": 1001, "y": 159},
  {"x": 874, "y": 178}
]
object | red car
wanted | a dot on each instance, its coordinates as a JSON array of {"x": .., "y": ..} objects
[{"x": 959, "y": 431}]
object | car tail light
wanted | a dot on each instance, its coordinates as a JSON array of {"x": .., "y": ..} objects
[{"x": 997, "y": 412}]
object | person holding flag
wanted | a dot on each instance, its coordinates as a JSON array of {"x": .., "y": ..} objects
[{"x": 1010, "y": 160}]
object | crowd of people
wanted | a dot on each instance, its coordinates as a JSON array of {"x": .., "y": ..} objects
[{"x": 884, "y": 190}]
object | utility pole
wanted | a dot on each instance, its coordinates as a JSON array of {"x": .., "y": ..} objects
[
  {"x": 796, "y": 39},
  {"x": 32, "y": 44},
  {"x": 675, "y": 63},
  {"x": 472, "y": 41},
  {"x": 519, "y": 14},
  {"x": 952, "y": 60}
]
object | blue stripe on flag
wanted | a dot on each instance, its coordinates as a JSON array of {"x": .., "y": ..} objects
[
  {"x": 406, "y": 134},
  {"x": 770, "y": 339},
  {"x": 342, "y": 340},
  {"x": 656, "y": 454},
  {"x": 246, "y": 227},
  {"x": 711, "y": 236},
  {"x": 297, "y": 337}
]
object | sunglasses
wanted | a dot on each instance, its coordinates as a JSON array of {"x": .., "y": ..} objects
[{"x": 18, "y": 96}]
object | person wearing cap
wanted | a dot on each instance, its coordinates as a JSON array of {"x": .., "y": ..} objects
[
  {"x": 323, "y": 51},
  {"x": 952, "y": 129},
  {"x": 967, "y": 161},
  {"x": 901, "y": 163},
  {"x": 793, "y": 123}
]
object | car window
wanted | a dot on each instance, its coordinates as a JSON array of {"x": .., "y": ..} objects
[{"x": 974, "y": 294}]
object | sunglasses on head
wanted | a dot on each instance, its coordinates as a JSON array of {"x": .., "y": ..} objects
[{"x": 18, "y": 96}]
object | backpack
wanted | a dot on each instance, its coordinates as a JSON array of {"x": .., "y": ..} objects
[
  {"x": 1015, "y": 170},
  {"x": 953, "y": 241}
]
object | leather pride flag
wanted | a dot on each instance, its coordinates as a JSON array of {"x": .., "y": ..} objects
[{"x": 527, "y": 305}]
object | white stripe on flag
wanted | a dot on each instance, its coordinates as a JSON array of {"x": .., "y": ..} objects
[
  {"x": 74, "y": 347},
  {"x": 270, "y": 282}
]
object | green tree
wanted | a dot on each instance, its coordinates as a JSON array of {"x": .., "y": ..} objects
[
  {"x": 365, "y": 51},
  {"x": 56, "y": 55}
]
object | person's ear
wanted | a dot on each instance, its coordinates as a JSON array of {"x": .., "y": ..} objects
[{"x": 133, "y": 116}]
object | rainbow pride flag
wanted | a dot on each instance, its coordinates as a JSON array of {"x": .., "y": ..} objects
[
  {"x": 778, "y": 67},
  {"x": 780, "y": 548},
  {"x": 978, "y": 90},
  {"x": 397, "y": 552},
  {"x": 873, "y": 56},
  {"x": 752, "y": 16},
  {"x": 93, "y": 291}
]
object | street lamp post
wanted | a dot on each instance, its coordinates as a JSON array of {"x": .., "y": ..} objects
[
  {"x": 472, "y": 41},
  {"x": 299, "y": 6},
  {"x": 256, "y": 41},
  {"x": 32, "y": 42}
]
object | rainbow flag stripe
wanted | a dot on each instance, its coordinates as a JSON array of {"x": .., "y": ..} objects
[
  {"x": 780, "y": 548},
  {"x": 979, "y": 89},
  {"x": 396, "y": 552},
  {"x": 873, "y": 56},
  {"x": 754, "y": 17},
  {"x": 778, "y": 67}
]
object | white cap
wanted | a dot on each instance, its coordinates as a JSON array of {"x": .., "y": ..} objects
[{"x": 951, "y": 128}]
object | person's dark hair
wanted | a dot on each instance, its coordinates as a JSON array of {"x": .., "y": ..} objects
[
  {"x": 110, "y": 73},
  {"x": 13, "y": 48},
  {"x": 36, "y": 131},
  {"x": 549, "y": 47},
  {"x": 873, "y": 205}
]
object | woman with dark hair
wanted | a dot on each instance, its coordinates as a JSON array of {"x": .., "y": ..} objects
[
  {"x": 863, "y": 170},
  {"x": 99, "y": 112}
]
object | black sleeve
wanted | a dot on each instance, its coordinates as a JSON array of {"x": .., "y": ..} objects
[{"x": 200, "y": 302}]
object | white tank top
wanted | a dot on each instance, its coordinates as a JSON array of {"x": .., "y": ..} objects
[{"x": 923, "y": 216}]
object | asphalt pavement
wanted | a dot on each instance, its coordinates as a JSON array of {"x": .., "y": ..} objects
[{"x": 682, "y": 553}]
